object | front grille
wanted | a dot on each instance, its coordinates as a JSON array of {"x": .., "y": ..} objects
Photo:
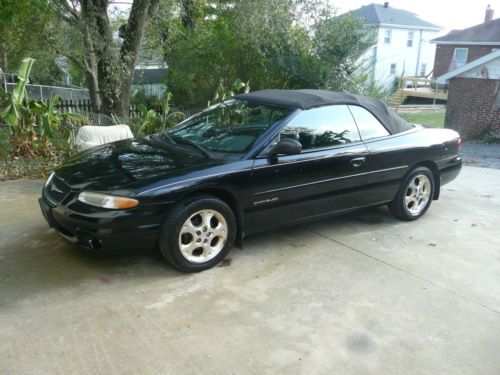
[{"x": 56, "y": 190}]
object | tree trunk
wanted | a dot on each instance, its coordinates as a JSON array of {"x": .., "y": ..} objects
[
  {"x": 5, "y": 62},
  {"x": 115, "y": 69},
  {"x": 187, "y": 17},
  {"x": 109, "y": 71},
  {"x": 93, "y": 86},
  {"x": 90, "y": 66}
]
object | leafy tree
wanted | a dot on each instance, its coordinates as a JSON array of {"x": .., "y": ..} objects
[
  {"x": 270, "y": 43},
  {"x": 339, "y": 44},
  {"x": 108, "y": 62},
  {"x": 29, "y": 28}
]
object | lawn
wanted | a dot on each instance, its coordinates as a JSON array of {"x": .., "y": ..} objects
[{"x": 431, "y": 119}]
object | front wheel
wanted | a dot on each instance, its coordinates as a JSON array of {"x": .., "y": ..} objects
[
  {"x": 415, "y": 195},
  {"x": 198, "y": 233}
]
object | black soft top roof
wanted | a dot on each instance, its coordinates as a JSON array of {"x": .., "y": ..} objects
[{"x": 307, "y": 99}]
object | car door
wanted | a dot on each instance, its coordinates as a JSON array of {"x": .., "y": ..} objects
[
  {"x": 388, "y": 157},
  {"x": 327, "y": 176}
]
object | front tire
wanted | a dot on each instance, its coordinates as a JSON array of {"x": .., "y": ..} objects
[
  {"x": 198, "y": 233},
  {"x": 415, "y": 195}
]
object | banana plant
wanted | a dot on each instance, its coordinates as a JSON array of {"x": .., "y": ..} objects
[
  {"x": 53, "y": 123},
  {"x": 222, "y": 93},
  {"x": 170, "y": 118},
  {"x": 152, "y": 122},
  {"x": 32, "y": 123},
  {"x": 12, "y": 108},
  {"x": 225, "y": 92}
]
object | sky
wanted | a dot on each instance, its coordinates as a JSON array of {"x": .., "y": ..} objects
[{"x": 449, "y": 14}]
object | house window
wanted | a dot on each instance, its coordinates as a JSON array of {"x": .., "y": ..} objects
[
  {"x": 423, "y": 69},
  {"x": 388, "y": 36},
  {"x": 392, "y": 72},
  {"x": 461, "y": 56},
  {"x": 409, "y": 42}
]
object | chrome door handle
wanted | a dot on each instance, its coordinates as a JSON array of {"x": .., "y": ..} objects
[{"x": 356, "y": 162}]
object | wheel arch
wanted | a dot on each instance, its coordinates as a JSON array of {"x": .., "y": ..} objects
[
  {"x": 435, "y": 172},
  {"x": 228, "y": 198}
]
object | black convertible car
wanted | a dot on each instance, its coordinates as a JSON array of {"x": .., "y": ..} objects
[{"x": 255, "y": 162}]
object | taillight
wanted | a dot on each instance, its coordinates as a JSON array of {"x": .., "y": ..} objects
[{"x": 459, "y": 144}]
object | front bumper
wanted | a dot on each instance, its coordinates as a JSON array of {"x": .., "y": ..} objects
[{"x": 105, "y": 229}]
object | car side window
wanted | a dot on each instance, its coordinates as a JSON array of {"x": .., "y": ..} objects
[
  {"x": 322, "y": 127},
  {"x": 368, "y": 125}
]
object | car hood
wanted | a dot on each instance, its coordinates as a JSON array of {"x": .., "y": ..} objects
[{"x": 128, "y": 164}]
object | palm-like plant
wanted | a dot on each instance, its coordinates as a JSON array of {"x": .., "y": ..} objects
[
  {"x": 152, "y": 122},
  {"x": 32, "y": 123}
]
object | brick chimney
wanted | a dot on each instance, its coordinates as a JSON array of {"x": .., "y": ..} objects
[
  {"x": 488, "y": 15},
  {"x": 386, "y": 4}
]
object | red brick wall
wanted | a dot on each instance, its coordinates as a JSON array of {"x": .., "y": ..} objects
[
  {"x": 470, "y": 106},
  {"x": 444, "y": 54}
]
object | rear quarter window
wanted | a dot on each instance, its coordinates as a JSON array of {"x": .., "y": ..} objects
[{"x": 369, "y": 126}]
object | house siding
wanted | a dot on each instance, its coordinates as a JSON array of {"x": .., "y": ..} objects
[
  {"x": 444, "y": 54},
  {"x": 492, "y": 69},
  {"x": 407, "y": 59},
  {"x": 470, "y": 109}
]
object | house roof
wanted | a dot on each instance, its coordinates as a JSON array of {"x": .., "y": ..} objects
[
  {"x": 379, "y": 15},
  {"x": 484, "y": 33},
  {"x": 473, "y": 64},
  {"x": 307, "y": 99}
]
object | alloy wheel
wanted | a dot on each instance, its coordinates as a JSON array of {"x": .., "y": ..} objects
[
  {"x": 203, "y": 235},
  {"x": 417, "y": 195}
]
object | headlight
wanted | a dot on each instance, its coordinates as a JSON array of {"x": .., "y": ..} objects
[{"x": 112, "y": 202}]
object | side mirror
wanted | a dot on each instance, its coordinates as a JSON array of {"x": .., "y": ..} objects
[{"x": 287, "y": 146}]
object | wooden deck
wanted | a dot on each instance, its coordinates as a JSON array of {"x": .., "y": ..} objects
[
  {"x": 424, "y": 92},
  {"x": 419, "y": 87}
]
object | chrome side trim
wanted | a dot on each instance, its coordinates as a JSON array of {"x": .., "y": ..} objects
[
  {"x": 448, "y": 158},
  {"x": 284, "y": 164},
  {"x": 329, "y": 180}
]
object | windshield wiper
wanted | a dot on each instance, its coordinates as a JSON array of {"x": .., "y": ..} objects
[
  {"x": 163, "y": 138},
  {"x": 203, "y": 150},
  {"x": 168, "y": 137}
]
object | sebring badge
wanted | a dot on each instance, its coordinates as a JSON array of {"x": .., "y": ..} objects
[{"x": 274, "y": 199}]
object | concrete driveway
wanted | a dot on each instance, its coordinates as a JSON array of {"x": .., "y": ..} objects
[{"x": 355, "y": 294}]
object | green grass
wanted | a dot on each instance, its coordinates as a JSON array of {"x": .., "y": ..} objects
[{"x": 431, "y": 119}]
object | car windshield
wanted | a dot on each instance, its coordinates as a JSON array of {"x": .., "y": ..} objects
[{"x": 231, "y": 126}]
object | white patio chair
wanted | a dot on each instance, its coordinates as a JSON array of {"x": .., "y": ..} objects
[{"x": 92, "y": 136}]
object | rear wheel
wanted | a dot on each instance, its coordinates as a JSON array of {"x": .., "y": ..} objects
[
  {"x": 415, "y": 195},
  {"x": 198, "y": 233}
]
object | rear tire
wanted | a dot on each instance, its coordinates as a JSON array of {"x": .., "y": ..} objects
[
  {"x": 415, "y": 195},
  {"x": 198, "y": 233}
]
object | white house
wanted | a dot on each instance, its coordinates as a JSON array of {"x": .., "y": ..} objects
[{"x": 403, "y": 43}]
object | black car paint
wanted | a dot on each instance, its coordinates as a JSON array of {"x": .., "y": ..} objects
[{"x": 265, "y": 191}]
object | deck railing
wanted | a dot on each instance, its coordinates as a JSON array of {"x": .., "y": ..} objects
[{"x": 422, "y": 87}]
